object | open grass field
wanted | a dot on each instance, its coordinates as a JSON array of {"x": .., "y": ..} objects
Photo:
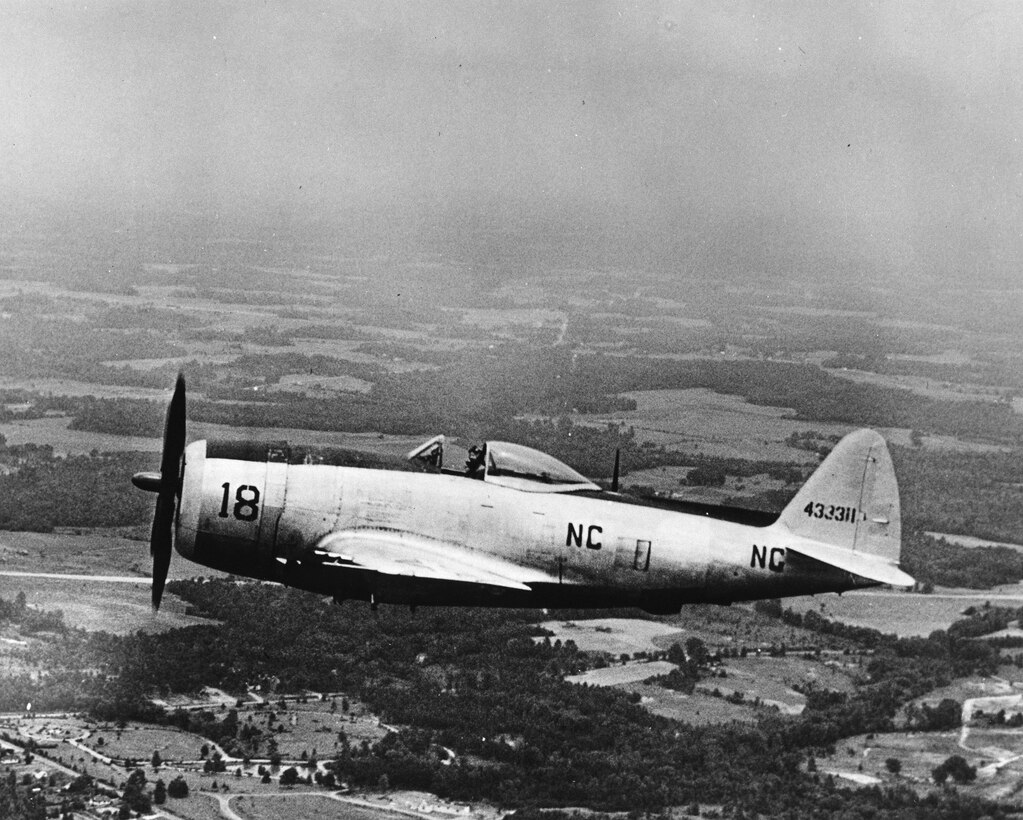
[
  {"x": 138, "y": 742},
  {"x": 923, "y": 386},
  {"x": 93, "y": 604},
  {"x": 115, "y": 551},
  {"x": 101, "y": 606},
  {"x": 55, "y": 432},
  {"x": 919, "y": 753},
  {"x": 700, "y": 420},
  {"x": 615, "y": 675},
  {"x": 773, "y": 677},
  {"x": 733, "y": 627},
  {"x": 312, "y": 728},
  {"x": 614, "y": 636},
  {"x": 903, "y": 613},
  {"x": 698, "y": 709},
  {"x": 304, "y": 805}
]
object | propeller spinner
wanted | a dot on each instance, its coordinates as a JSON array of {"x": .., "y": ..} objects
[{"x": 167, "y": 485}]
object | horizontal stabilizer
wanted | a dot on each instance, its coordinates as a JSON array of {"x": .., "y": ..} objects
[
  {"x": 392, "y": 552},
  {"x": 865, "y": 565}
]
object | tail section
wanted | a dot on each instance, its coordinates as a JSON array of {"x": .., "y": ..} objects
[{"x": 847, "y": 514}]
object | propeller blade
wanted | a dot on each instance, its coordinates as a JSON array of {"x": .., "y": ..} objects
[
  {"x": 161, "y": 544},
  {"x": 161, "y": 540}
]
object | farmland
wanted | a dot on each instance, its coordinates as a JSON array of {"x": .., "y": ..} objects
[{"x": 324, "y": 353}]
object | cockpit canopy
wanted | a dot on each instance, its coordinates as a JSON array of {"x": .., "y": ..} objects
[{"x": 508, "y": 465}]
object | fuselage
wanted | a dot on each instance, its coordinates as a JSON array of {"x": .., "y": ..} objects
[{"x": 263, "y": 517}]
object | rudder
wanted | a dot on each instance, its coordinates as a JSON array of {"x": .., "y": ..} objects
[{"x": 851, "y": 500}]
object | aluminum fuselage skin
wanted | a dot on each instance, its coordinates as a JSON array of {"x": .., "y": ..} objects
[{"x": 265, "y": 518}]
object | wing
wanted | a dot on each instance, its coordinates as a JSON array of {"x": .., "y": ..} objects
[{"x": 393, "y": 552}]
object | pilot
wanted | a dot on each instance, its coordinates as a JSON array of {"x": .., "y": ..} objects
[{"x": 476, "y": 464}]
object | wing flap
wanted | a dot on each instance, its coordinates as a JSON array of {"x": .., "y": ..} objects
[
  {"x": 393, "y": 552},
  {"x": 863, "y": 564}
]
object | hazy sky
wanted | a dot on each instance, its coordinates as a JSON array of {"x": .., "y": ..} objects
[{"x": 885, "y": 134}]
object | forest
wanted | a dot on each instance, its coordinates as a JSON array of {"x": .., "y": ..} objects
[
  {"x": 522, "y": 379},
  {"x": 40, "y": 491},
  {"x": 487, "y": 685}
]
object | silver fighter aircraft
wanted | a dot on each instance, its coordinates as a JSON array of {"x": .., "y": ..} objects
[{"x": 513, "y": 527}]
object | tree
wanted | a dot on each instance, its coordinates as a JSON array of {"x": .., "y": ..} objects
[
  {"x": 289, "y": 777},
  {"x": 160, "y": 792},
  {"x": 696, "y": 651},
  {"x": 893, "y": 765},
  {"x": 156, "y": 760},
  {"x": 134, "y": 795},
  {"x": 178, "y": 788},
  {"x": 957, "y": 768}
]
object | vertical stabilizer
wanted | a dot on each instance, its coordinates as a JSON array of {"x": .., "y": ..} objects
[{"x": 852, "y": 500}]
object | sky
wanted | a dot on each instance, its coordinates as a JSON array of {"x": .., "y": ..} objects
[{"x": 866, "y": 139}]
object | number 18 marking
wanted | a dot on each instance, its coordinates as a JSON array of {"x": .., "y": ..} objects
[{"x": 246, "y": 498}]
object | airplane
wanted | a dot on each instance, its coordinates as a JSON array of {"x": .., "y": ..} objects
[{"x": 514, "y": 528}]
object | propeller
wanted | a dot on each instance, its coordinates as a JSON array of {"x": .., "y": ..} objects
[{"x": 167, "y": 485}]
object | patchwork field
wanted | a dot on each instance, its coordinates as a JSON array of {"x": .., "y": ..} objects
[
  {"x": 760, "y": 680},
  {"x": 700, "y": 420}
]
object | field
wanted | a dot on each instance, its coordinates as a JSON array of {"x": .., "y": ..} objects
[
  {"x": 106, "y": 606},
  {"x": 918, "y": 752},
  {"x": 697, "y": 709},
  {"x": 613, "y": 635},
  {"x": 700, "y": 420},
  {"x": 311, "y": 806},
  {"x": 228, "y": 348},
  {"x": 54, "y": 431},
  {"x": 139, "y": 742},
  {"x": 322, "y": 806},
  {"x": 922, "y": 386},
  {"x": 617, "y": 675},
  {"x": 903, "y": 613},
  {"x": 762, "y": 680},
  {"x": 313, "y": 728}
]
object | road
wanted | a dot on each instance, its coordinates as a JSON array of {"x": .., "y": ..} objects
[{"x": 113, "y": 579}]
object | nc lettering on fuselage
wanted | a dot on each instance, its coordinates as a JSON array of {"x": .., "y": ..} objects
[
  {"x": 575, "y": 536},
  {"x": 773, "y": 558}
]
